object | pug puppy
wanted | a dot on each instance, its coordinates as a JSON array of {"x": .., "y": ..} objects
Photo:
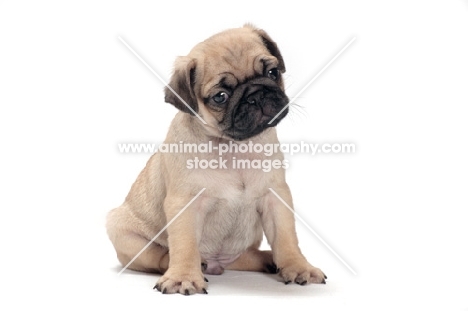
[{"x": 233, "y": 81}]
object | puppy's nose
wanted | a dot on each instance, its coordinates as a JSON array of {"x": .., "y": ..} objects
[
  {"x": 255, "y": 98},
  {"x": 251, "y": 101}
]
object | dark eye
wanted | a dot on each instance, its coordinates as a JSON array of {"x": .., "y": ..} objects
[
  {"x": 220, "y": 98},
  {"x": 273, "y": 74}
]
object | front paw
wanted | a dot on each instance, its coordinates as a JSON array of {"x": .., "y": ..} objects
[
  {"x": 302, "y": 273},
  {"x": 183, "y": 282}
]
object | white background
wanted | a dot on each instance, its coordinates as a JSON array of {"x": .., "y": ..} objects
[{"x": 395, "y": 210}]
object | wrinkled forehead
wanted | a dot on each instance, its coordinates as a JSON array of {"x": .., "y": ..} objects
[
  {"x": 229, "y": 75},
  {"x": 232, "y": 61}
]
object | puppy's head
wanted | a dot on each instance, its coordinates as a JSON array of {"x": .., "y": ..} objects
[{"x": 233, "y": 80}]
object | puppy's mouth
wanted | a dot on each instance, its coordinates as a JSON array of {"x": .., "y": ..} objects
[{"x": 258, "y": 106}]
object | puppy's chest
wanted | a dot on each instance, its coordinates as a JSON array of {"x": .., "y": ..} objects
[
  {"x": 231, "y": 221},
  {"x": 235, "y": 195},
  {"x": 229, "y": 226}
]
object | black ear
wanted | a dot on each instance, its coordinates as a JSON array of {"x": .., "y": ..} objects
[
  {"x": 181, "y": 87},
  {"x": 271, "y": 46}
]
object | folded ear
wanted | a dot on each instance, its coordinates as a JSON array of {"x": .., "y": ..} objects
[
  {"x": 180, "y": 91},
  {"x": 270, "y": 45}
]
